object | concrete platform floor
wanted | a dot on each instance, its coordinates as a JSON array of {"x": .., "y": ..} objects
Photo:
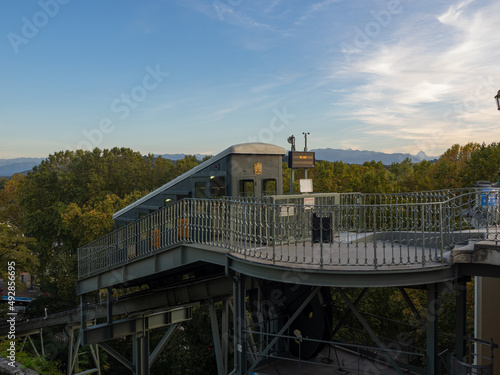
[{"x": 335, "y": 361}]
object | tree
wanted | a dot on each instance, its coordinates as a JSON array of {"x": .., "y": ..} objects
[
  {"x": 482, "y": 165},
  {"x": 69, "y": 199},
  {"x": 448, "y": 171},
  {"x": 14, "y": 245}
]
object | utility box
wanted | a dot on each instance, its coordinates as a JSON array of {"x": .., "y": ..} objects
[{"x": 322, "y": 227}]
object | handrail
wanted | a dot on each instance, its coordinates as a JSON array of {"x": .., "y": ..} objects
[{"x": 361, "y": 230}]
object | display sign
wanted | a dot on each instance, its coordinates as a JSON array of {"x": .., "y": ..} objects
[{"x": 301, "y": 159}]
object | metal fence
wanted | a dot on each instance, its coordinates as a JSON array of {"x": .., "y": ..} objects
[{"x": 332, "y": 230}]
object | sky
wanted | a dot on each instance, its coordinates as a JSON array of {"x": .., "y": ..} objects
[{"x": 197, "y": 76}]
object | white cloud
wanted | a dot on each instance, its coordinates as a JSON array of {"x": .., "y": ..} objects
[{"x": 430, "y": 86}]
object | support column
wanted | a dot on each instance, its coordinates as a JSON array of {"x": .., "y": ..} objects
[
  {"x": 109, "y": 312},
  {"x": 216, "y": 337},
  {"x": 140, "y": 347},
  {"x": 461, "y": 317},
  {"x": 239, "y": 295},
  {"x": 83, "y": 316},
  {"x": 225, "y": 333},
  {"x": 432, "y": 329}
]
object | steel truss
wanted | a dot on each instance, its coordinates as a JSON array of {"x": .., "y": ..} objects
[{"x": 248, "y": 356}]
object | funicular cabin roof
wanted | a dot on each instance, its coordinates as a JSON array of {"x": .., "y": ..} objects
[{"x": 254, "y": 148}]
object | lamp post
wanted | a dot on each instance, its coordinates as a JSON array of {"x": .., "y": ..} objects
[
  {"x": 497, "y": 98},
  {"x": 305, "y": 149}
]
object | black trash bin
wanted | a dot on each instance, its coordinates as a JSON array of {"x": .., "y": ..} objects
[{"x": 322, "y": 227}]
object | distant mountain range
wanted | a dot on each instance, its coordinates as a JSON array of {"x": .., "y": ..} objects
[
  {"x": 347, "y": 156},
  {"x": 8, "y": 167},
  {"x": 359, "y": 157}
]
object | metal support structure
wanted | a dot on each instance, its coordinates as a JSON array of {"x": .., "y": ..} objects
[
  {"x": 349, "y": 312},
  {"x": 83, "y": 314},
  {"x": 117, "y": 356},
  {"x": 240, "y": 360},
  {"x": 368, "y": 329},
  {"x": 140, "y": 349},
  {"x": 412, "y": 307},
  {"x": 225, "y": 334},
  {"x": 461, "y": 315},
  {"x": 73, "y": 353},
  {"x": 27, "y": 336},
  {"x": 109, "y": 311},
  {"x": 163, "y": 342},
  {"x": 432, "y": 329},
  {"x": 283, "y": 329},
  {"x": 217, "y": 340}
]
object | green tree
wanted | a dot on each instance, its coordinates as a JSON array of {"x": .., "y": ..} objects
[
  {"x": 482, "y": 165},
  {"x": 69, "y": 199},
  {"x": 14, "y": 245}
]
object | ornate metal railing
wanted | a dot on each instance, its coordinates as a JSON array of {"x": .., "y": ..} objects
[{"x": 362, "y": 230}]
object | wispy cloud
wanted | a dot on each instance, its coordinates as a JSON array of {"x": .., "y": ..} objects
[
  {"x": 420, "y": 88},
  {"x": 315, "y": 8}
]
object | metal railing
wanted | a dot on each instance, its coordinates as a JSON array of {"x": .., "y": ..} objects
[{"x": 363, "y": 230}]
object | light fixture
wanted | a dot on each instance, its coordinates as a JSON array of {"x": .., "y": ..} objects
[{"x": 497, "y": 97}]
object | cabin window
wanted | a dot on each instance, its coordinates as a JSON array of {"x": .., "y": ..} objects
[
  {"x": 217, "y": 186},
  {"x": 246, "y": 188},
  {"x": 199, "y": 190},
  {"x": 269, "y": 187}
]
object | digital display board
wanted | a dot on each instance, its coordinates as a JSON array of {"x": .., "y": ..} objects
[{"x": 301, "y": 159}]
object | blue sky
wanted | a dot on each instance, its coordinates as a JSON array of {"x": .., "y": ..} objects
[{"x": 196, "y": 76}]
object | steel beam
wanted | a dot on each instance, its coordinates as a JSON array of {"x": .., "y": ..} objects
[
  {"x": 461, "y": 315},
  {"x": 240, "y": 325},
  {"x": 131, "y": 326},
  {"x": 412, "y": 307},
  {"x": 432, "y": 329},
  {"x": 285, "y": 327},
  {"x": 163, "y": 342},
  {"x": 348, "y": 313},
  {"x": 117, "y": 356},
  {"x": 368, "y": 329},
  {"x": 225, "y": 334},
  {"x": 216, "y": 337}
]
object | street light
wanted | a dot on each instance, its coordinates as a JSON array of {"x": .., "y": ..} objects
[{"x": 497, "y": 97}]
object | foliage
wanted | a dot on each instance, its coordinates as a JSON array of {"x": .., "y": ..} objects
[
  {"x": 14, "y": 246},
  {"x": 3, "y": 181},
  {"x": 41, "y": 365},
  {"x": 69, "y": 199},
  {"x": 191, "y": 349}
]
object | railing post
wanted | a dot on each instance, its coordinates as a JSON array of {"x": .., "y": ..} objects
[{"x": 422, "y": 223}]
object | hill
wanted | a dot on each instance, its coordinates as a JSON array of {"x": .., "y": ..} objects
[
  {"x": 360, "y": 156},
  {"x": 8, "y": 167}
]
